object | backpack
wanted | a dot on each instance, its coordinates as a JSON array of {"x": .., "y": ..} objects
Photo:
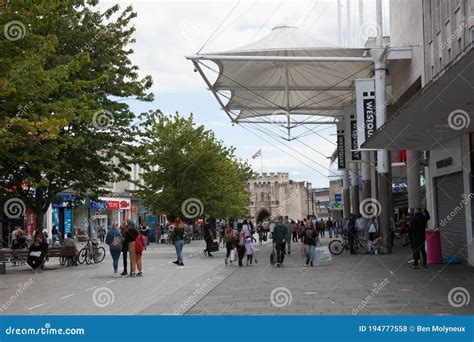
[
  {"x": 116, "y": 244},
  {"x": 139, "y": 244},
  {"x": 229, "y": 237}
]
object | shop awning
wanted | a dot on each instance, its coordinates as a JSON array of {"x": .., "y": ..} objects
[{"x": 443, "y": 109}]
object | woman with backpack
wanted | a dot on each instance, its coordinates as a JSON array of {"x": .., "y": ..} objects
[
  {"x": 229, "y": 242},
  {"x": 134, "y": 242},
  {"x": 310, "y": 238},
  {"x": 115, "y": 241}
]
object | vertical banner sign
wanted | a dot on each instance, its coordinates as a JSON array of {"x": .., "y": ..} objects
[
  {"x": 67, "y": 220},
  {"x": 366, "y": 110},
  {"x": 352, "y": 146},
  {"x": 341, "y": 147}
]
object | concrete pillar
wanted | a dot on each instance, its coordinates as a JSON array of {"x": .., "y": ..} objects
[
  {"x": 354, "y": 173},
  {"x": 366, "y": 183},
  {"x": 413, "y": 179},
  {"x": 346, "y": 194},
  {"x": 374, "y": 176}
]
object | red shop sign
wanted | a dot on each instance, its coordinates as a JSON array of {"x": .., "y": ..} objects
[
  {"x": 134, "y": 208},
  {"x": 124, "y": 204},
  {"x": 113, "y": 205}
]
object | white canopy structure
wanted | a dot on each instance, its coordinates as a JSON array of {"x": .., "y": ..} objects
[{"x": 285, "y": 79}]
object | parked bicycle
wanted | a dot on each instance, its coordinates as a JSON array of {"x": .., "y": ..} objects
[
  {"x": 91, "y": 252},
  {"x": 336, "y": 247}
]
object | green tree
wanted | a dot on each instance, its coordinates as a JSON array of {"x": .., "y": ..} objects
[
  {"x": 187, "y": 171},
  {"x": 65, "y": 67}
]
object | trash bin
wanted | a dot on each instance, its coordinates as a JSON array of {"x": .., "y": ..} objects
[{"x": 433, "y": 246}]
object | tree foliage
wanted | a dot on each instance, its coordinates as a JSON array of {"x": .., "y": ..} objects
[
  {"x": 59, "y": 88},
  {"x": 184, "y": 162}
]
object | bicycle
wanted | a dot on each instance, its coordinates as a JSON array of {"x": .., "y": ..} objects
[
  {"x": 336, "y": 247},
  {"x": 91, "y": 252}
]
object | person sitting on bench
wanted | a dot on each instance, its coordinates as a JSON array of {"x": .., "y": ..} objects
[
  {"x": 70, "y": 243},
  {"x": 37, "y": 253}
]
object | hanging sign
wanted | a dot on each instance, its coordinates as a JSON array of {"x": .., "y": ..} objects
[
  {"x": 366, "y": 109},
  {"x": 352, "y": 146},
  {"x": 341, "y": 147}
]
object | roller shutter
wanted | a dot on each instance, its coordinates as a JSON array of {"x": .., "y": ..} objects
[{"x": 449, "y": 203}]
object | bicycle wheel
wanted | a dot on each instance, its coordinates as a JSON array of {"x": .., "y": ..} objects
[
  {"x": 99, "y": 255},
  {"x": 82, "y": 256},
  {"x": 336, "y": 247},
  {"x": 88, "y": 257}
]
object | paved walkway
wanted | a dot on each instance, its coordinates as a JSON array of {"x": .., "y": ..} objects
[{"x": 347, "y": 285}]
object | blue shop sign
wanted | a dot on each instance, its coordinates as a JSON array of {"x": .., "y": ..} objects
[
  {"x": 99, "y": 205},
  {"x": 64, "y": 198},
  {"x": 337, "y": 197}
]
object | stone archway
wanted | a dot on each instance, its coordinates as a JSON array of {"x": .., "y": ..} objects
[{"x": 262, "y": 215}]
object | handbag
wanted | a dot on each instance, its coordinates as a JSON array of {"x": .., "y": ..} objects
[
  {"x": 213, "y": 246},
  {"x": 273, "y": 256}
]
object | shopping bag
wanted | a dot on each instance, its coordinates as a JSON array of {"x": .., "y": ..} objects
[
  {"x": 233, "y": 256},
  {"x": 322, "y": 254},
  {"x": 213, "y": 246},
  {"x": 303, "y": 251}
]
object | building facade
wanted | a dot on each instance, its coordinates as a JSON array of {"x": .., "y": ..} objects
[{"x": 275, "y": 194}]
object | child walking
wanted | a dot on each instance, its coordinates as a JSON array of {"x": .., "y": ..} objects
[{"x": 249, "y": 250}]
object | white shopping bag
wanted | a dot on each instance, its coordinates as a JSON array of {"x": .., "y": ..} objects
[
  {"x": 322, "y": 254},
  {"x": 233, "y": 256}
]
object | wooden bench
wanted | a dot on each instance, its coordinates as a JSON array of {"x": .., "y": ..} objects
[
  {"x": 67, "y": 255},
  {"x": 13, "y": 256}
]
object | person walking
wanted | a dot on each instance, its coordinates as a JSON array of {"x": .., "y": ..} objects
[
  {"x": 417, "y": 233},
  {"x": 123, "y": 230},
  {"x": 115, "y": 241},
  {"x": 294, "y": 231},
  {"x": 322, "y": 228},
  {"x": 330, "y": 227},
  {"x": 54, "y": 236},
  {"x": 360, "y": 223},
  {"x": 209, "y": 235},
  {"x": 310, "y": 238},
  {"x": 135, "y": 249},
  {"x": 239, "y": 241},
  {"x": 280, "y": 234},
  {"x": 229, "y": 233},
  {"x": 287, "y": 224},
  {"x": 177, "y": 236},
  {"x": 351, "y": 232},
  {"x": 249, "y": 249}
]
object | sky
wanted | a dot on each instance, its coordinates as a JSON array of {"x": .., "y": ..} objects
[{"x": 167, "y": 31}]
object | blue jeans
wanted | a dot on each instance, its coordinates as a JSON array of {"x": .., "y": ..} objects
[
  {"x": 115, "y": 258},
  {"x": 331, "y": 231},
  {"x": 178, "y": 244},
  {"x": 310, "y": 252}
]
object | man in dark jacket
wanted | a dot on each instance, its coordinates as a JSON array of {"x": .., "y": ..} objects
[
  {"x": 417, "y": 231},
  {"x": 209, "y": 235},
  {"x": 37, "y": 253},
  {"x": 280, "y": 234},
  {"x": 352, "y": 232}
]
